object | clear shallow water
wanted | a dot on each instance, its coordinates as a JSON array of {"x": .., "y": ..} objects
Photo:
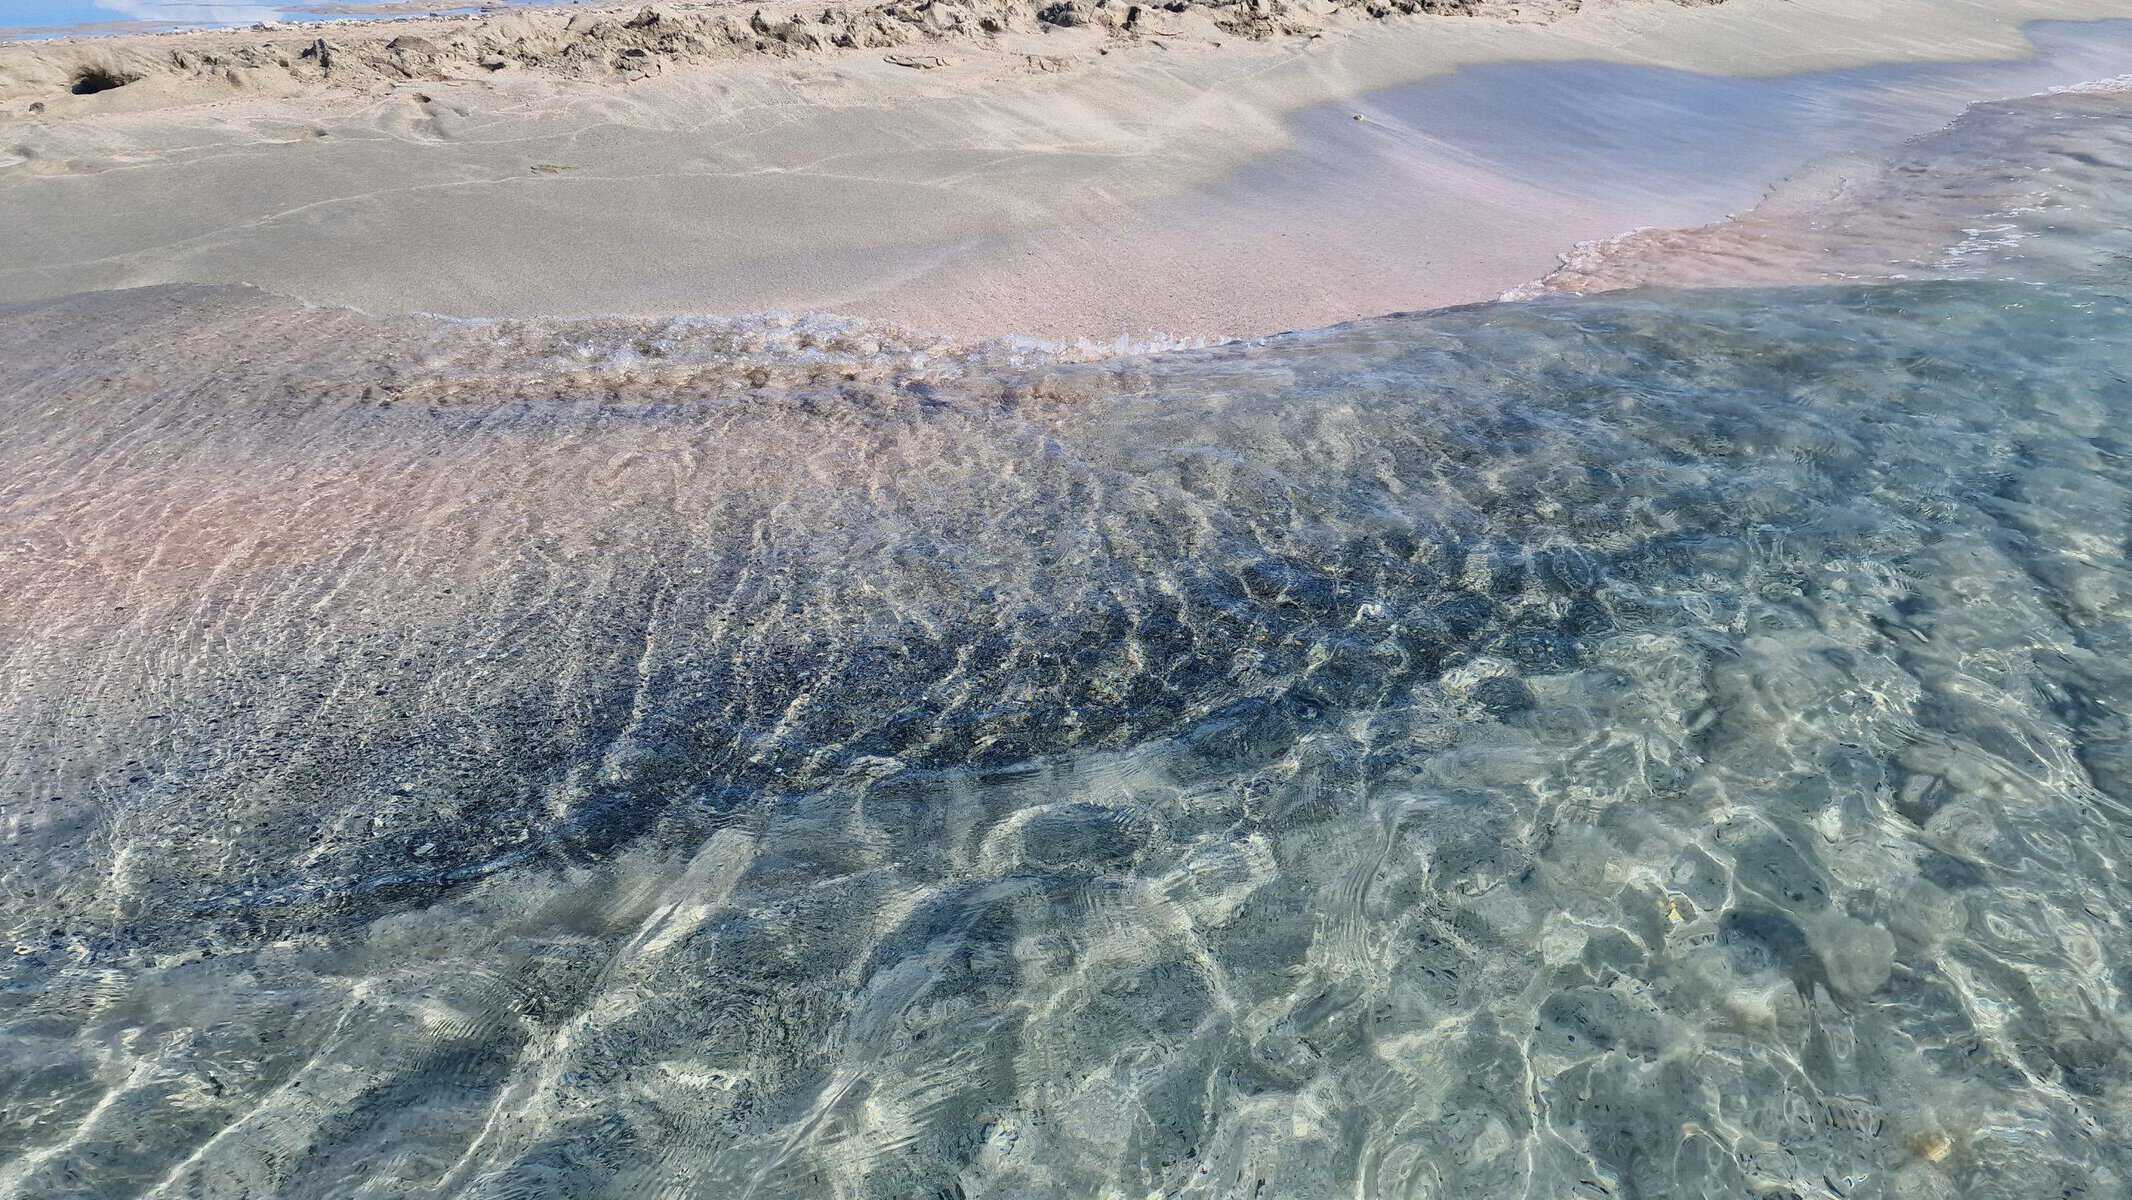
[
  {"x": 1601, "y": 147},
  {"x": 1692, "y": 147},
  {"x": 1667, "y": 743}
]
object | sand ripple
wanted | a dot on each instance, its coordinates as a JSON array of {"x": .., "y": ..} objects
[{"x": 1671, "y": 743}]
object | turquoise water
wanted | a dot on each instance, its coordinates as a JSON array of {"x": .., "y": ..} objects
[
  {"x": 55, "y": 15},
  {"x": 1662, "y": 743},
  {"x": 35, "y": 19}
]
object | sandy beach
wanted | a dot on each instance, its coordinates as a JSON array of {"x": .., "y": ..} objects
[
  {"x": 605, "y": 605},
  {"x": 1205, "y": 173}
]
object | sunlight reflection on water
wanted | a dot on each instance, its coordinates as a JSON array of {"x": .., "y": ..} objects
[{"x": 1662, "y": 743}]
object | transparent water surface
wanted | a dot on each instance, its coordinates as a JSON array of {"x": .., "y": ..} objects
[{"x": 1663, "y": 743}]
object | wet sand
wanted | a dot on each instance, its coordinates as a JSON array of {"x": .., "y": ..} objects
[
  {"x": 1445, "y": 755},
  {"x": 1195, "y": 185},
  {"x": 1670, "y": 743}
]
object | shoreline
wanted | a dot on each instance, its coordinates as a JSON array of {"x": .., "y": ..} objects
[
  {"x": 1668, "y": 743},
  {"x": 1127, "y": 192}
]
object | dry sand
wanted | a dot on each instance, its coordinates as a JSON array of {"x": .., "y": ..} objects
[{"x": 1134, "y": 171}]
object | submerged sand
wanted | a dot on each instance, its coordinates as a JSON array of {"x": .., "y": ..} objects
[
  {"x": 1667, "y": 744},
  {"x": 982, "y": 169},
  {"x": 1670, "y": 744}
]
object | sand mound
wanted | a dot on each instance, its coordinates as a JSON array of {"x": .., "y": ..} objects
[{"x": 638, "y": 42}]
